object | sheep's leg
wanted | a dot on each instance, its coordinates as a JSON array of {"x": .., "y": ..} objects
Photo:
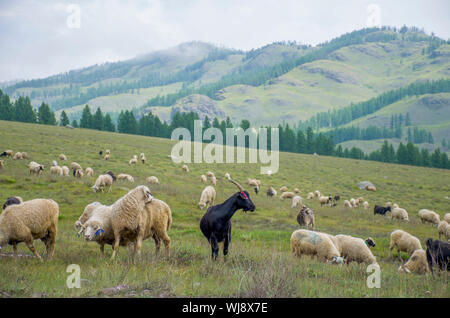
[
  {"x": 116, "y": 244},
  {"x": 166, "y": 240},
  {"x": 102, "y": 249},
  {"x": 15, "y": 250},
  {"x": 399, "y": 255},
  {"x": 50, "y": 243},
  {"x": 139, "y": 243},
  {"x": 157, "y": 243},
  {"x": 30, "y": 245}
]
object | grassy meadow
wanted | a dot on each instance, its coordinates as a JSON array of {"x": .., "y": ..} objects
[{"x": 259, "y": 263}]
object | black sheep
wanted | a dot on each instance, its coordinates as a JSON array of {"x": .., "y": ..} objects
[{"x": 381, "y": 210}]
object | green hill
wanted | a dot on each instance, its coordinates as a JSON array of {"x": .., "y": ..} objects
[{"x": 260, "y": 263}]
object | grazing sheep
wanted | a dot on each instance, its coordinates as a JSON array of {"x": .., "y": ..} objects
[
  {"x": 360, "y": 200},
  {"x": 209, "y": 174},
  {"x": 444, "y": 229},
  {"x": 283, "y": 189},
  {"x": 87, "y": 213},
  {"x": 429, "y": 216},
  {"x": 395, "y": 206},
  {"x": 297, "y": 202},
  {"x": 447, "y": 218},
  {"x": 400, "y": 214},
  {"x": 370, "y": 188},
  {"x": 127, "y": 217},
  {"x": 296, "y": 190},
  {"x": 325, "y": 200},
  {"x": 132, "y": 161},
  {"x": 213, "y": 180},
  {"x": 152, "y": 180},
  {"x": 354, "y": 249},
  {"x": 78, "y": 173},
  {"x": 98, "y": 227},
  {"x": 29, "y": 221},
  {"x": 65, "y": 170},
  {"x": 203, "y": 178},
  {"x": 354, "y": 203},
  {"x": 54, "y": 163},
  {"x": 271, "y": 192},
  {"x": 227, "y": 176},
  {"x": 305, "y": 217},
  {"x": 142, "y": 157},
  {"x": 107, "y": 157},
  {"x": 317, "y": 193},
  {"x": 404, "y": 242},
  {"x": 89, "y": 172},
  {"x": 103, "y": 180},
  {"x": 17, "y": 156},
  {"x": 62, "y": 157},
  {"x": 365, "y": 205},
  {"x": 124, "y": 176},
  {"x": 7, "y": 153},
  {"x": 185, "y": 168},
  {"x": 347, "y": 204},
  {"x": 254, "y": 183},
  {"x": 75, "y": 166},
  {"x": 161, "y": 219},
  {"x": 35, "y": 168},
  {"x": 56, "y": 170},
  {"x": 107, "y": 151},
  {"x": 315, "y": 244},
  {"x": 287, "y": 195},
  {"x": 11, "y": 201},
  {"x": 24, "y": 155},
  {"x": 310, "y": 196},
  {"x": 388, "y": 204},
  {"x": 2, "y": 164},
  {"x": 417, "y": 263},
  {"x": 381, "y": 210},
  {"x": 207, "y": 198}
]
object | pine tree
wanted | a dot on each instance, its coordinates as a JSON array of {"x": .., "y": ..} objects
[
  {"x": 86, "y": 118},
  {"x": 309, "y": 140},
  {"x": 6, "y": 107},
  {"x": 301, "y": 142},
  {"x": 108, "y": 124},
  {"x": 74, "y": 123},
  {"x": 408, "y": 120},
  {"x": 63, "y": 119},
  {"x": 45, "y": 115},
  {"x": 97, "y": 120},
  {"x": 23, "y": 111}
]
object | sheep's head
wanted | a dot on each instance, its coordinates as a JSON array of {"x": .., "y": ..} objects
[
  {"x": 92, "y": 230},
  {"x": 147, "y": 194},
  {"x": 94, "y": 188},
  {"x": 337, "y": 260},
  {"x": 370, "y": 242},
  {"x": 201, "y": 205},
  {"x": 417, "y": 263},
  {"x": 112, "y": 175}
]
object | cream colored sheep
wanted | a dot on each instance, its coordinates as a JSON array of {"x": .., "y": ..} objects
[
  {"x": 107, "y": 151},
  {"x": 62, "y": 157},
  {"x": 296, "y": 190},
  {"x": 17, "y": 156},
  {"x": 142, "y": 158},
  {"x": 79, "y": 173},
  {"x": 444, "y": 229},
  {"x": 9, "y": 153},
  {"x": 354, "y": 249},
  {"x": 161, "y": 219},
  {"x": 29, "y": 221},
  {"x": 360, "y": 200},
  {"x": 54, "y": 163},
  {"x": 35, "y": 168},
  {"x": 209, "y": 174},
  {"x": 107, "y": 156},
  {"x": 24, "y": 155},
  {"x": 75, "y": 166},
  {"x": 102, "y": 181},
  {"x": 2, "y": 164},
  {"x": 429, "y": 216},
  {"x": 65, "y": 170},
  {"x": 404, "y": 242},
  {"x": 354, "y": 203},
  {"x": 297, "y": 202},
  {"x": 127, "y": 217},
  {"x": 207, "y": 198},
  {"x": 305, "y": 242},
  {"x": 283, "y": 189},
  {"x": 400, "y": 214},
  {"x": 185, "y": 168},
  {"x": 203, "y": 178},
  {"x": 365, "y": 205},
  {"x": 370, "y": 188},
  {"x": 287, "y": 195},
  {"x": 127, "y": 177},
  {"x": 87, "y": 213},
  {"x": 395, "y": 206},
  {"x": 133, "y": 161},
  {"x": 310, "y": 196},
  {"x": 98, "y": 227},
  {"x": 347, "y": 204},
  {"x": 324, "y": 200},
  {"x": 271, "y": 192},
  {"x": 56, "y": 170},
  {"x": 447, "y": 218},
  {"x": 89, "y": 172},
  {"x": 317, "y": 193},
  {"x": 152, "y": 180},
  {"x": 227, "y": 176},
  {"x": 388, "y": 204},
  {"x": 213, "y": 180},
  {"x": 417, "y": 263}
]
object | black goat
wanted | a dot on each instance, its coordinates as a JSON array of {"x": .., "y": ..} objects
[
  {"x": 381, "y": 210},
  {"x": 438, "y": 252},
  {"x": 216, "y": 222}
]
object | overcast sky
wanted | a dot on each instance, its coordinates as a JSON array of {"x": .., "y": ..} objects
[{"x": 45, "y": 37}]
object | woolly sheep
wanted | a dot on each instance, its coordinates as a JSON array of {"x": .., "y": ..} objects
[
  {"x": 315, "y": 244},
  {"x": 283, "y": 189},
  {"x": 310, "y": 196},
  {"x": 444, "y": 229},
  {"x": 62, "y": 157},
  {"x": 152, "y": 180},
  {"x": 354, "y": 249},
  {"x": 388, "y": 204},
  {"x": 429, "y": 216},
  {"x": 360, "y": 200},
  {"x": 365, "y": 205},
  {"x": 404, "y": 242},
  {"x": 56, "y": 170},
  {"x": 296, "y": 190},
  {"x": 317, "y": 193},
  {"x": 209, "y": 174},
  {"x": 102, "y": 181},
  {"x": 87, "y": 213},
  {"x": 65, "y": 170},
  {"x": 126, "y": 217},
  {"x": 161, "y": 219},
  {"x": 107, "y": 156},
  {"x": 54, "y": 163},
  {"x": 35, "y": 168},
  {"x": 89, "y": 172},
  {"x": 75, "y": 166},
  {"x": 213, "y": 180},
  {"x": 297, "y": 202},
  {"x": 305, "y": 217},
  {"x": 133, "y": 161},
  {"x": 203, "y": 178},
  {"x": 98, "y": 227},
  {"x": 185, "y": 168},
  {"x": 2, "y": 164},
  {"x": 395, "y": 206},
  {"x": 8, "y": 153},
  {"x": 370, "y": 188},
  {"x": 24, "y": 155},
  {"x": 399, "y": 213},
  {"x": 354, "y": 203},
  {"x": 347, "y": 204},
  {"x": 107, "y": 151},
  {"x": 29, "y": 221},
  {"x": 287, "y": 195},
  {"x": 447, "y": 218},
  {"x": 17, "y": 156},
  {"x": 142, "y": 157},
  {"x": 12, "y": 200},
  {"x": 207, "y": 198},
  {"x": 78, "y": 173},
  {"x": 124, "y": 176},
  {"x": 417, "y": 263},
  {"x": 271, "y": 192},
  {"x": 324, "y": 200}
]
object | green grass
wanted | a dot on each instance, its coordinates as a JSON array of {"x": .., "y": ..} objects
[{"x": 260, "y": 263}]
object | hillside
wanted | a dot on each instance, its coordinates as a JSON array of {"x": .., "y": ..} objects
[{"x": 260, "y": 263}]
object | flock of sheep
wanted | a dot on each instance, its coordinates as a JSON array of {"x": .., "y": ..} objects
[{"x": 137, "y": 216}]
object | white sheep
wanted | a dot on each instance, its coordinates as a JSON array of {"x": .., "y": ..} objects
[
  {"x": 297, "y": 202},
  {"x": 354, "y": 249},
  {"x": 227, "y": 176},
  {"x": 404, "y": 242},
  {"x": 126, "y": 217},
  {"x": 142, "y": 158},
  {"x": 283, "y": 189},
  {"x": 185, "y": 168},
  {"x": 54, "y": 163},
  {"x": 78, "y": 173},
  {"x": 102, "y": 181},
  {"x": 324, "y": 200},
  {"x": 310, "y": 196},
  {"x": 87, "y": 213},
  {"x": 62, "y": 157},
  {"x": 35, "y": 168},
  {"x": 400, "y": 214},
  {"x": 209, "y": 174},
  {"x": 124, "y": 176},
  {"x": 203, "y": 178},
  {"x": 287, "y": 195},
  {"x": 107, "y": 156},
  {"x": 29, "y": 221},
  {"x": 306, "y": 242},
  {"x": 75, "y": 166},
  {"x": 444, "y": 229},
  {"x": 370, "y": 188},
  {"x": 317, "y": 193},
  {"x": 56, "y": 170},
  {"x": 447, "y": 218},
  {"x": 354, "y": 203},
  {"x": 17, "y": 156},
  {"x": 133, "y": 161},
  {"x": 417, "y": 263},
  {"x": 365, "y": 205},
  {"x": 9, "y": 153},
  {"x": 207, "y": 197},
  {"x": 65, "y": 170},
  {"x": 107, "y": 151},
  {"x": 213, "y": 180},
  {"x": 347, "y": 204},
  {"x": 296, "y": 190},
  {"x": 152, "y": 180},
  {"x": 89, "y": 172},
  {"x": 429, "y": 216}
]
